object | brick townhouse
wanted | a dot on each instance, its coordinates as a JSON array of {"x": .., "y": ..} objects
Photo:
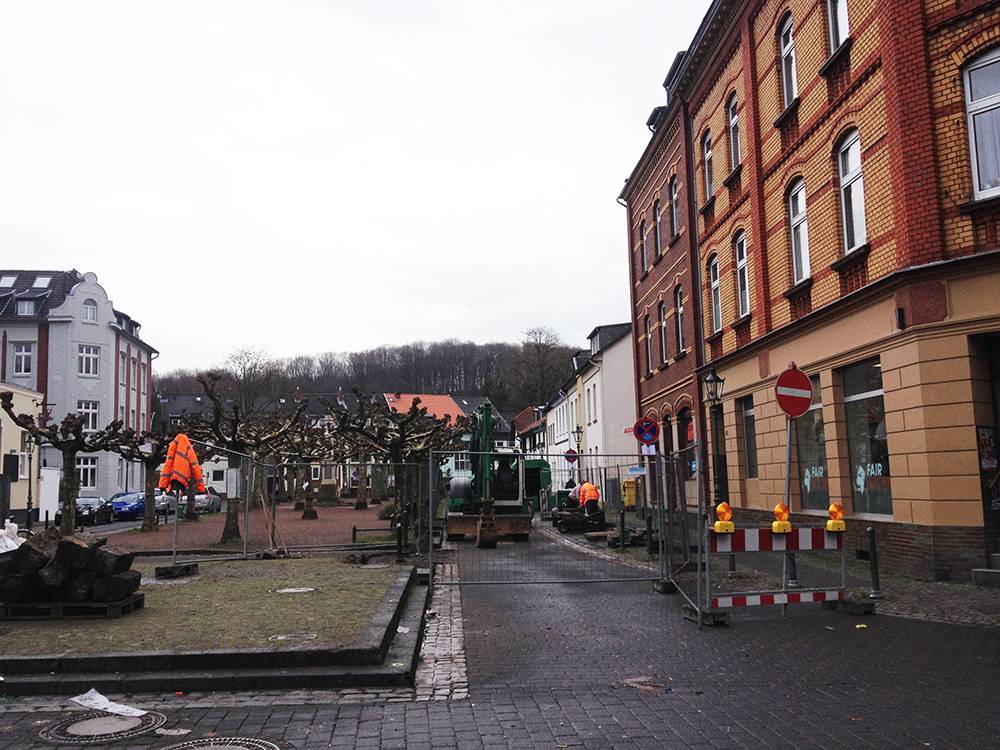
[
  {"x": 61, "y": 336},
  {"x": 846, "y": 156}
]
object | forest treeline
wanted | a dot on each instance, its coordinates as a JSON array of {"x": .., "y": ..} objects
[{"x": 512, "y": 375}]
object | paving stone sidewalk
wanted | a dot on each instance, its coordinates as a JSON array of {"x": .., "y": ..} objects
[{"x": 613, "y": 665}]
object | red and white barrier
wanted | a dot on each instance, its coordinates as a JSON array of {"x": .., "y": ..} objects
[
  {"x": 764, "y": 540},
  {"x": 757, "y": 600}
]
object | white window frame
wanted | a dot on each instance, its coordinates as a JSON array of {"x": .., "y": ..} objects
[
  {"x": 86, "y": 472},
  {"x": 41, "y": 282},
  {"x": 88, "y": 360},
  {"x": 742, "y": 275},
  {"x": 787, "y": 68},
  {"x": 26, "y": 356},
  {"x": 7, "y": 281},
  {"x": 716, "y": 292},
  {"x": 90, "y": 411},
  {"x": 663, "y": 332},
  {"x": 26, "y": 307},
  {"x": 852, "y": 183},
  {"x": 649, "y": 347},
  {"x": 733, "y": 116},
  {"x": 316, "y": 473},
  {"x": 799, "y": 231},
  {"x": 707, "y": 166},
  {"x": 839, "y": 23},
  {"x": 89, "y": 311},
  {"x": 675, "y": 225},
  {"x": 657, "y": 234},
  {"x": 978, "y": 107},
  {"x": 679, "y": 322},
  {"x": 644, "y": 256},
  {"x": 22, "y": 460}
]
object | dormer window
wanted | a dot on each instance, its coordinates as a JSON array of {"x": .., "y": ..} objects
[
  {"x": 89, "y": 311},
  {"x": 7, "y": 281},
  {"x": 26, "y": 307},
  {"x": 41, "y": 282}
]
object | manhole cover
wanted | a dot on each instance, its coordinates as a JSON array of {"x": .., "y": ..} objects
[
  {"x": 99, "y": 728},
  {"x": 224, "y": 743},
  {"x": 293, "y": 637},
  {"x": 293, "y": 590}
]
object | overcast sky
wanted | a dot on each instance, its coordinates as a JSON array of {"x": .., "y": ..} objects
[{"x": 307, "y": 175}]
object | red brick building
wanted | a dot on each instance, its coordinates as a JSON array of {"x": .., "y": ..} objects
[
  {"x": 846, "y": 156},
  {"x": 662, "y": 256}
]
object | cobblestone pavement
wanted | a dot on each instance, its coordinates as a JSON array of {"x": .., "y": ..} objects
[{"x": 613, "y": 665}]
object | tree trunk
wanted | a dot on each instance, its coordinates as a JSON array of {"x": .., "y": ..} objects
[
  {"x": 69, "y": 489},
  {"x": 190, "y": 512},
  {"x": 309, "y": 511},
  {"x": 149, "y": 515},
  {"x": 231, "y": 530},
  {"x": 362, "y": 485}
]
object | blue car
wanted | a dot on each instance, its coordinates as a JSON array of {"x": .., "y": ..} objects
[{"x": 129, "y": 507}]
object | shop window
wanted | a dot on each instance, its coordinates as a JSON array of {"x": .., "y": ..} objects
[
  {"x": 810, "y": 440},
  {"x": 746, "y": 410},
  {"x": 867, "y": 446}
]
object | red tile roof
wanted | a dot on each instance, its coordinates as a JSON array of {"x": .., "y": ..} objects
[{"x": 437, "y": 405}]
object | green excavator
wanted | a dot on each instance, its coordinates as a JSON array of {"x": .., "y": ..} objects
[{"x": 501, "y": 496}]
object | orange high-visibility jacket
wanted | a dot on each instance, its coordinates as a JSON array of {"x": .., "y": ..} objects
[
  {"x": 181, "y": 465},
  {"x": 589, "y": 492}
]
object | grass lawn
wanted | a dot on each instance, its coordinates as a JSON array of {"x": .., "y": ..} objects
[{"x": 229, "y": 605}]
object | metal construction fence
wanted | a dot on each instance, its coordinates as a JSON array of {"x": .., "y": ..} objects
[
  {"x": 550, "y": 539},
  {"x": 254, "y": 507}
]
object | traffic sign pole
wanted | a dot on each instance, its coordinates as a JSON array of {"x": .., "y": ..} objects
[{"x": 793, "y": 391}]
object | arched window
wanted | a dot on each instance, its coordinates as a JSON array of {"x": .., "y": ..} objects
[
  {"x": 675, "y": 224},
  {"x": 649, "y": 347},
  {"x": 789, "y": 80},
  {"x": 663, "y": 332},
  {"x": 733, "y": 115},
  {"x": 643, "y": 255},
  {"x": 713, "y": 276},
  {"x": 657, "y": 236},
  {"x": 89, "y": 311},
  {"x": 840, "y": 29},
  {"x": 679, "y": 318},
  {"x": 799, "y": 229},
  {"x": 982, "y": 105},
  {"x": 852, "y": 192},
  {"x": 706, "y": 152},
  {"x": 742, "y": 275}
]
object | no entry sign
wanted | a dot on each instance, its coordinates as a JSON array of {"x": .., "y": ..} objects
[
  {"x": 571, "y": 456},
  {"x": 646, "y": 430},
  {"x": 794, "y": 392}
]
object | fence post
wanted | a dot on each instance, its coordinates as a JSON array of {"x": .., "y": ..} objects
[
  {"x": 46, "y": 519},
  {"x": 621, "y": 527},
  {"x": 649, "y": 535},
  {"x": 354, "y": 535},
  {"x": 399, "y": 536},
  {"x": 876, "y": 592}
]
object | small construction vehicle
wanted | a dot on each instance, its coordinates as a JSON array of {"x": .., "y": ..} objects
[{"x": 498, "y": 499}]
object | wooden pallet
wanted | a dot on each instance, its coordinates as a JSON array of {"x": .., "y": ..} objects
[{"x": 81, "y": 610}]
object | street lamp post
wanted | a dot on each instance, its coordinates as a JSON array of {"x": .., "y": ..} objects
[
  {"x": 29, "y": 444},
  {"x": 714, "y": 387},
  {"x": 578, "y": 433}
]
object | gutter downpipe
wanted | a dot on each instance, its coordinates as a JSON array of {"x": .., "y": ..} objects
[{"x": 699, "y": 339}]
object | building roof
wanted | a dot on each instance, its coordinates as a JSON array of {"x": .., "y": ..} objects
[
  {"x": 46, "y": 298},
  {"x": 438, "y": 405},
  {"x": 469, "y": 405},
  {"x": 609, "y": 334}
]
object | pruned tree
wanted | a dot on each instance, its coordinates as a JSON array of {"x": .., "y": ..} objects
[
  {"x": 70, "y": 439},
  {"x": 238, "y": 431},
  {"x": 304, "y": 443}
]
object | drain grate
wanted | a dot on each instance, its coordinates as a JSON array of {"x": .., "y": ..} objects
[
  {"x": 224, "y": 743},
  {"x": 100, "y": 728}
]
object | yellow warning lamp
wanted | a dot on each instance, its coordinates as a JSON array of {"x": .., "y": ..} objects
[
  {"x": 724, "y": 512},
  {"x": 781, "y": 524},
  {"x": 836, "y": 522}
]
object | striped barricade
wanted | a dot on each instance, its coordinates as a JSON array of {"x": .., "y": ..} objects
[
  {"x": 764, "y": 540},
  {"x": 757, "y": 600}
]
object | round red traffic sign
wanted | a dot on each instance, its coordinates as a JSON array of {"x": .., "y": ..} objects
[
  {"x": 646, "y": 430},
  {"x": 794, "y": 392},
  {"x": 571, "y": 455}
]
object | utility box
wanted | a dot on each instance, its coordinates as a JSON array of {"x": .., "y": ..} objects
[
  {"x": 629, "y": 492},
  {"x": 10, "y": 466}
]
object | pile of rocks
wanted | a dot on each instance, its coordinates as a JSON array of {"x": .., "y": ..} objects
[{"x": 49, "y": 567}]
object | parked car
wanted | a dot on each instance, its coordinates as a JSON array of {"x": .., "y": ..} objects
[
  {"x": 210, "y": 502},
  {"x": 129, "y": 507},
  {"x": 90, "y": 511}
]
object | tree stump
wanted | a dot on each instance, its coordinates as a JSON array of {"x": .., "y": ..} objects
[
  {"x": 106, "y": 563},
  {"x": 74, "y": 553},
  {"x": 116, "y": 587},
  {"x": 81, "y": 586}
]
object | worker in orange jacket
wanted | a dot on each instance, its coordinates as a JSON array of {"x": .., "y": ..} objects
[
  {"x": 181, "y": 467},
  {"x": 590, "y": 498}
]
